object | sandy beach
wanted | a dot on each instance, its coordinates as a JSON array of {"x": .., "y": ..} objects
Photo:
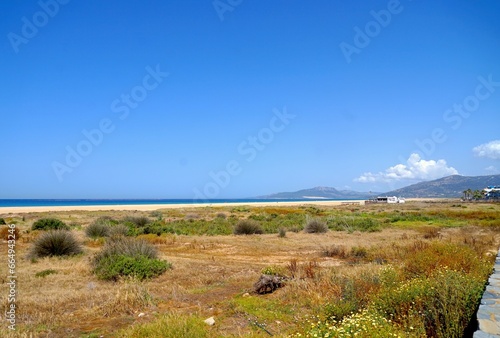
[{"x": 149, "y": 207}]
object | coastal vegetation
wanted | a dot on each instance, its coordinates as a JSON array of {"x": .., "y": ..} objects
[
  {"x": 49, "y": 224},
  {"x": 55, "y": 243},
  {"x": 411, "y": 270}
]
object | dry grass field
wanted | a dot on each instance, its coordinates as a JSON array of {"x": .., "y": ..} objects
[{"x": 367, "y": 253}]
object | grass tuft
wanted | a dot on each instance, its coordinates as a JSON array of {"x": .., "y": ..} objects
[
  {"x": 315, "y": 226},
  {"x": 98, "y": 229},
  {"x": 247, "y": 227},
  {"x": 55, "y": 243},
  {"x": 338, "y": 251},
  {"x": 169, "y": 326}
]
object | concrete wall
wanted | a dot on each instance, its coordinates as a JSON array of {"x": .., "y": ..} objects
[{"x": 488, "y": 316}]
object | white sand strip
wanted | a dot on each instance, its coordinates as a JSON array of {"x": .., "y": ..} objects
[{"x": 149, "y": 207}]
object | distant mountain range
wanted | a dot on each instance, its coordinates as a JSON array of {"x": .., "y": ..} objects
[
  {"x": 322, "y": 192},
  {"x": 450, "y": 186}
]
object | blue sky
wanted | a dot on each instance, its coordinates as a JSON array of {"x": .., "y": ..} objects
[{"x": 229, "y": 98}]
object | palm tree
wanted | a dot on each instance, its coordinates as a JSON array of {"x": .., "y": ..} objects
[
  {"x": 478, "y": 194},
  {"x": 465, "y": 194},
  {"x": 469, "y": 193}
]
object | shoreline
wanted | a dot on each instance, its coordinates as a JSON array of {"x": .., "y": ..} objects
[{"x": 151, "y": 207}]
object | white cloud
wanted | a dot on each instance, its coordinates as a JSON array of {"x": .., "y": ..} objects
[
  {"x": 492, "y": 169},
  {"x": 414, "y": 169},
  {"x": 488, "y": 150}
]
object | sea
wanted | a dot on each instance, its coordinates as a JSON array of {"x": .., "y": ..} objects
[{"x": 84, "y": 202}]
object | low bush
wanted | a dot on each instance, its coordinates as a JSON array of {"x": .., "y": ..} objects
[
  {"x": 55, "y": 243},
  {"x": 315, "y": 226},
  {"x": 98, "y": 229},
  {"x": 123, "y": 256},
  {"x": 459, "y": 257},
  {"x": 119, "y": 230},
  {"x": 335, "y": 250},
  {"x": 139, "y": 221},
  {"x": 140, "y": 267},
  {"x": 49, "y": 224},
  {"x": 156, "y": 214},
  {"x": 430, "y": 232},
  {"x": 274, "y": 270},
  {"x": 440, "y": 305},
  {"x": 247, "y": 227},
  {"x": 359, "y": 252},
  {"x": 2, "y": 221},
  {"x": 353, "y": 223}
]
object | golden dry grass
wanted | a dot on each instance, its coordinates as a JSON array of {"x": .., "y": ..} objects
[{"x": 211, "y": 274}]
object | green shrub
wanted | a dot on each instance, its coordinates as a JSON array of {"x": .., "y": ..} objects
[
  {"x": 106, "y": 220},
  {"x": 440, "y": 305},
  {"x": 98, "y": 229},
  {"x": 45, "y": 273},
  {"x": 139, "y": 221},
  {"x": 459, "y": 257},
  {"x": 315, "y": 226},
  {"x": 247, "y": 227},
  {"x": 2, "y": 221},
  {"x": 122, "y": 256},
  {"x": 140, "y": 267},
  {"x": 352, "y": 223},
  {"x": 157, "y": 214},
  {"x": 274, "y": 270},
  {"x": 341, "y": 308},
  {"x": 359, "y": 252},
  {"x": 49, "y": 224},
  {"x": 157, "y": 227},
  {"x": 55, "y": 243}
]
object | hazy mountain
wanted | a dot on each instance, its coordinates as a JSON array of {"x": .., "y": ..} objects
[
  {"x": 450, "y": 186},
  {"x": 322, "y": 192}
]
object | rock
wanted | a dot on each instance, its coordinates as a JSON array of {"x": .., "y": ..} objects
[
  {"x": 269, "y": 283},
  {"x": 142, "y": 314},
  {"x": 245, "y": 295},
  {"x": 210, "y": 321}
]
